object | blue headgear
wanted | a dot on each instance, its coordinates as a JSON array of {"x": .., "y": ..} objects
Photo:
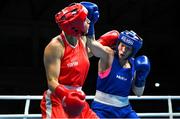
[{"x": 131, "y": 39}]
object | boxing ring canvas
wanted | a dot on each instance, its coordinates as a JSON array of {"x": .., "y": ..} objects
[{"x": 28, "y": 98}]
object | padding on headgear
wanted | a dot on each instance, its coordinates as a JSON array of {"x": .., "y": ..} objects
[
  {"x": 72, "y": 18},
  {"x": 131, "y": 39}
]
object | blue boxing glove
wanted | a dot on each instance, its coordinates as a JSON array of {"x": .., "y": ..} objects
[
  {"x": 93, "y": 15},
  {"x": 142, "y": 67}
]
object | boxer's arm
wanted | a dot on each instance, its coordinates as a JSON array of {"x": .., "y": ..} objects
[
  {"x": 90, "y": 54},
  {"x": 107, "y": 39},
  {"x": 52, "y": 55},
  {"x": 84, "y": 39},
  {"x": 99, "y": 50}
]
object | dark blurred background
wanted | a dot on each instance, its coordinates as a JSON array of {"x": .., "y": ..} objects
[{"x": 27, "y": 26}]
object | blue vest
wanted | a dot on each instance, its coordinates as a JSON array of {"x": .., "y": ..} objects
[{"x": 119, "y": 80}]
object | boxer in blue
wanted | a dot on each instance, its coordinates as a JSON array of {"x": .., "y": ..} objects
[{"x": 118, "y": 71}]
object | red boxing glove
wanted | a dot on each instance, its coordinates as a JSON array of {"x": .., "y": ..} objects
[
  {"x": 109, "y": 38},
  {"x": 73, "y": 101}
]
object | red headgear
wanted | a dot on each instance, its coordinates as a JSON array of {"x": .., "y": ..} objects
[{"x": 71, "y": 19}]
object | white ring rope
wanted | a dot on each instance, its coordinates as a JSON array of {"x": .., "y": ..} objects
[{"x": 28, "y": 98}]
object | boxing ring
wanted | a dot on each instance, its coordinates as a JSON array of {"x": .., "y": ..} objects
[{"x": 28, "y": 98}]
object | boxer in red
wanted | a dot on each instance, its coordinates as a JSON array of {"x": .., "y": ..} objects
[{"x": 67, "y": 64}]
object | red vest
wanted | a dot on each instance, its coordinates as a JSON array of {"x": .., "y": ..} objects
[{"x": 74, "y": 64}]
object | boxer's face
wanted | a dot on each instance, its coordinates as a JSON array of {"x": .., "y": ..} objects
[{"x": 124, "y": 51}]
